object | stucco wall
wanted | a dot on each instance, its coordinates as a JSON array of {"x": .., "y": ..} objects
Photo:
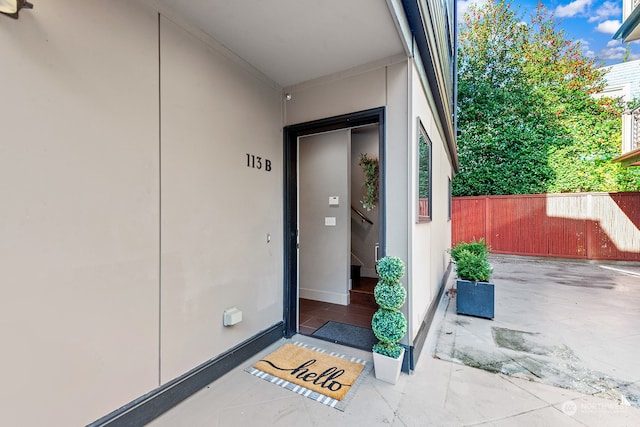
[
  {"x": 79, "y": 220},
  {"x": 120, "y": 246},
  {"x": 221, "y": 219},
  {"x": 430, "y": 240}
]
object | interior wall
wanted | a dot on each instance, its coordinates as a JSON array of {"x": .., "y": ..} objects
[
  {"x": 324, "y": 249},
  {"x": 221, "y": 207},
  {"x": 364, "y": 236},
  {"x": 79, "y": 221},
  {"x": 430, "y": 240}
]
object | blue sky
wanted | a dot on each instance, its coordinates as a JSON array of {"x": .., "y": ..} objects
[{"x": 593, "y": 22}]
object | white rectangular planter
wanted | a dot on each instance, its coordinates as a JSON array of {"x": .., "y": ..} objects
[{"x": 387, "y": 368}]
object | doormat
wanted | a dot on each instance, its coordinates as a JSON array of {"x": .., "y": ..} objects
[
  {"x": 341, "y": 333},
  {"x": 329, "y": 378}
]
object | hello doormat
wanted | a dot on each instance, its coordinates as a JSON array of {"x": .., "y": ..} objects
[{"x": 329, "y": 378}]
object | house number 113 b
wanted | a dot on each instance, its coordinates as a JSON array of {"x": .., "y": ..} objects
[{"x": 257, "y": 162}]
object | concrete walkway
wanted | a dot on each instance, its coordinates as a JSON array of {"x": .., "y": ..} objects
[{"x": 587, "y": 308}]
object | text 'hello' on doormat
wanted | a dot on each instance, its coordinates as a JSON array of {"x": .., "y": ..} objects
[{"x": 329, "y": 378}]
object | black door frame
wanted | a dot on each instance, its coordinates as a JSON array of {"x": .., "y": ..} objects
[{"x": 291, "y": 134}]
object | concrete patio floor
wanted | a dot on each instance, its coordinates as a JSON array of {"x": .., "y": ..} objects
[
  {"x": 584, "y": 315},
  {"x": 574, "y": 325}
]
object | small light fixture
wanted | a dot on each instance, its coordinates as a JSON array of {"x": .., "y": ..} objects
[
  {"x": 287, "y": 96},
  {"x": 12, "y": 7}
]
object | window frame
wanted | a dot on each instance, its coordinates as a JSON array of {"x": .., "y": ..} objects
[{"x": 423, "y": 138}]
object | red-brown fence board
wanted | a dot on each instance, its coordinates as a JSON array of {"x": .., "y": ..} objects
[
  {"x": 582, "y": 225},
  {"x": 471, "y": 214}
]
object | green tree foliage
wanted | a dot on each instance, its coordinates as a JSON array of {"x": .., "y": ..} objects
[{"x": 527, "y": 118}]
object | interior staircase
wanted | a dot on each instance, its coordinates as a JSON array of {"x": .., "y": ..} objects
[{"x": 361, "y": 292}]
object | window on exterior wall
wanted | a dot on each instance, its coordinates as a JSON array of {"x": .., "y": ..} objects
[{"x": 424, "y": 175}]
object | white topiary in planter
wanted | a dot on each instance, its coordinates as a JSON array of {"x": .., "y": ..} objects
[{"x": 388, "y": 323}]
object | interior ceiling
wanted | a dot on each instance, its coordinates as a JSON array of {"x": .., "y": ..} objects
[{"x": 292, "y": 41}]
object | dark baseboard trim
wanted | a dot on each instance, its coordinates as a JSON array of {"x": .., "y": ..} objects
[
  {"x": 153, "y": 404},
  {"x": 421, "y": 337}
]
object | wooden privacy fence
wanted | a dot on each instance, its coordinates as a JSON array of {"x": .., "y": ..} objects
[{"x": 580, "y": 225}]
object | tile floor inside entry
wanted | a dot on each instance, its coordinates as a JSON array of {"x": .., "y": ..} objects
[{"x": 314, "y": 314}]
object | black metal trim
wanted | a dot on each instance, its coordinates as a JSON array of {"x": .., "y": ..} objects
[
  {"x": 150, "y": 406},
  {"x": 290, "y": 136},
  {"x": 414, "y": 18},
  {"x": 421, "y": 336}
]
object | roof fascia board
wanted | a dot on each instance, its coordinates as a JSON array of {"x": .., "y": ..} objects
[
  {"x": 632, "y": 158},
  {"x": 417, "y": 60},
  {"x": 402, "y": 25},
  {"x": 417, "y": 23},
  {"x": 628, "y": 25}
]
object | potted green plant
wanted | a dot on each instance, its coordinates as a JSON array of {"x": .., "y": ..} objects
[
  {"x": 388, "y": 323},
  {"x": 370, "y": 167},
  {"x": 474, "y": 294}
]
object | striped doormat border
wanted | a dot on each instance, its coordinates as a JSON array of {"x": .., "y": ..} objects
[{"x": 326, "y": 400}]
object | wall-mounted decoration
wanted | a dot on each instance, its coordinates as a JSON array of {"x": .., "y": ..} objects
[{"x": 370, "y": 167}]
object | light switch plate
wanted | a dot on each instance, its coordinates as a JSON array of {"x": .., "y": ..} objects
[
  {"x": 330, "y": 221},
  {"x": 334, "y": 201}
]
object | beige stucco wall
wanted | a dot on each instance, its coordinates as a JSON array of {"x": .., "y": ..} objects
[
  {"x": 79, "y": 220},
  {"x": 429, "y": 240},
  {"x": 120, "y": 247},
  {"x": 221, "y": 220}
]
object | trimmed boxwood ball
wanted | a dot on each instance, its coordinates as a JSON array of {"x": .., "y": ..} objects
[
  {"x": 390, "y": 269},
  {"x": 389, "y": 296},
  {"x": 389, "y": 350},
  {"x": 389, "y": 326}
]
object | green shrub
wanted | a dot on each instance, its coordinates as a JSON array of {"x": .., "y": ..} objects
[
  {"x": 388, "y": 323},
  {"x": 479, "y": 248},
  {"x": 472, "y": 266}
]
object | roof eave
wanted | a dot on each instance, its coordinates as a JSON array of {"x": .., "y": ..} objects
[
  {"x": 632, "y": 158},
  {"x": 628, "y": 26}
]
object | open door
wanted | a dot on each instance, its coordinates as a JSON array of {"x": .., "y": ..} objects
[
  {"x": 320, "y": 215},
  {"x": 323, "y": 216}
]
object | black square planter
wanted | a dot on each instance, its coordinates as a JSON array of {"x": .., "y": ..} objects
[{"x": 475, "y": 298}]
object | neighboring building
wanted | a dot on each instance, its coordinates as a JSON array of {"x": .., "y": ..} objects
[
  {"x": 622, "y": 81},
  {"x": 630, "y": 31},
  {"x": 159, "y": 158}
]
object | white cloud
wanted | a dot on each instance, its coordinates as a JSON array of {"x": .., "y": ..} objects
[
  {"x": 608, "y": 9},
  {"x": 586, "y": 49},
  {"x": 463, "y": 6},
  {"x": 612, "y": 53},
  {"x": 609, "y": 26},
  {"x": 572, "y": 9},
  {"x": 615, "y": 51}
]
